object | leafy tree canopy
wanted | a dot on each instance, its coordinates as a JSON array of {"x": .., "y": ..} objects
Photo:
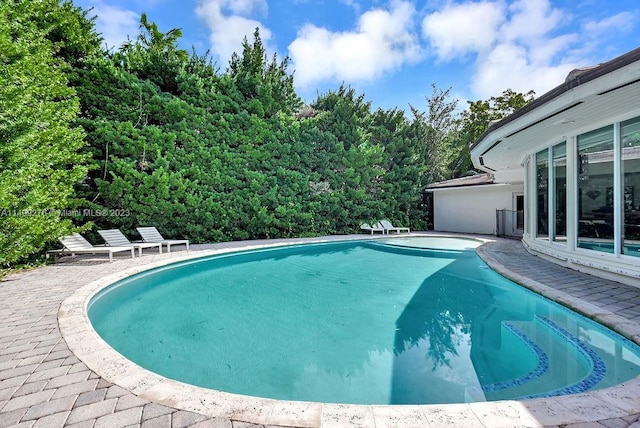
[
  {"x": 477, "y": 118},
  {"x": 266, "y": 86},
  {"x": 39, "y": 145},
  {"x": 158, "y": 136}
]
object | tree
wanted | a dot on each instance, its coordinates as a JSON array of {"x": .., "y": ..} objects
[
  {"x": 439, "y": 129},
  {"x": 349, "y": 115},
  {"x": 39, "y": 147},
  {"x": 230, "y": 156},
  {"x": 476, "y": 120},
  {"x": 159, "y": 43},
  {"x": 71, "y": 32},
  {"x": 266, "y": 86},
  {"x": 401, "y": 176},
  {"x": 154, "y": 55}
]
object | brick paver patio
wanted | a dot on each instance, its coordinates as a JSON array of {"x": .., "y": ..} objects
[{"x": 43, "y": 384}]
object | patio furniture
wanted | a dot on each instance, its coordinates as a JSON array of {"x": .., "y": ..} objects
[
  {"x": 375, "y": 228},
  {"x": 76, "y": 244},
  {"x": 388, "y": 227},
  {"x": 115, "y": 238},
  {"x": 151, "y": 234}
]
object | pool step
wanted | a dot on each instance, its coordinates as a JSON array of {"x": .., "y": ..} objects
[
  {"x": 564, "y": 365},
  {"x": 597, "y": 367}
]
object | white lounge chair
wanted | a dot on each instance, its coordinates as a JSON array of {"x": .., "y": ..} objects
[
  {"x": 115, "y": 238},
  {"x": 151, "y": 234},
  {"x": 388, "y": 227},
  {"x": 76, "y": 244},
  {"x": 372, "y": 228}
]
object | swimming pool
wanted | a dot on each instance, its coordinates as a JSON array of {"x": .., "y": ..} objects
[{"x": 388, "y": 330}]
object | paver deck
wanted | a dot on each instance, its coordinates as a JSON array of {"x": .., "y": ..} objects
[{"x": 43, "y": 384}]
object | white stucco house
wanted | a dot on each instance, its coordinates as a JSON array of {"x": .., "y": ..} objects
[
  {"x": 470, "y": 204},
  {"x": 575, "y": 153}
]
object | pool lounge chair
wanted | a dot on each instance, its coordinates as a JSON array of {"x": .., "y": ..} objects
[
  {"x": 388, "y": 227},
  {"x": 375, "y": 228},
  {"x": 151, "y": 234},
  {"x": 115, "y": 238},
  {"x": 76, "y": 244}
]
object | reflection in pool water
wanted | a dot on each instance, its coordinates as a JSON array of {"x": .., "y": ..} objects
[
  {"x": 360, "y": 322},
  {"x": 629, "y": 249}
]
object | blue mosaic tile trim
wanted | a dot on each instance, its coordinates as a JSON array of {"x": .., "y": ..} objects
[
  {"x": 541, "y": 368},
  {"x": 598, "y": 367},
  {"x": 592, "y": 323},
  {"x": 605, "y": 330}
]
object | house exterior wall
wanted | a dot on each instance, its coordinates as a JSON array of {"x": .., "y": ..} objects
[
  {"x": 580, "y": 146},
  {"x": 602, "y": 243},
  {"x": 472, "y": 209}
]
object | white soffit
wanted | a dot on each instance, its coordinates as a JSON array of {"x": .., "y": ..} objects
[
  {"x": 608, "y": 98},
  {"x": 471, "y": 189}
]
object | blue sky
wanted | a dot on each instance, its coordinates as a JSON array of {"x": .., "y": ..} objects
[{"x": 394, "y": 50}]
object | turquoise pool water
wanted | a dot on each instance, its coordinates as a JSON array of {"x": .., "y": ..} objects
[{"x": 366, "y": 322}]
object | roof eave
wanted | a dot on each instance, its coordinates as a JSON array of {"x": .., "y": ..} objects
[{"x": 569, "y": 84}]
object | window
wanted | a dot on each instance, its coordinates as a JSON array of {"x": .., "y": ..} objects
[
  {"x": 542, "y": 201},
  {"x": 608, "y": 205},
  {"x": 519, "y": 212},
  {"x": 630, "y": 135},
  {"x": 595, "y": 190},
  {"x": 560, "y": 192},
  {"x": 529, "y": 215}
]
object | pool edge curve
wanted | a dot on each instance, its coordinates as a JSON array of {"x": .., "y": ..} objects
[{"x": 614, "y": 402}]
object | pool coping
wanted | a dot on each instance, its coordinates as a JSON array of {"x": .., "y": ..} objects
[{"x": 615, "y": 402}]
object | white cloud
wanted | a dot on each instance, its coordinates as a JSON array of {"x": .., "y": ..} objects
[
  {"x": 509, "y": 66},
  {"x": 621, "y": 22},
  {"x": 230, "y": 21},
  {"x": 383, "y": 41},
  {"x": 531, "y": 21},
  {"x": 352, "y": 4},
  {"x": 526, "y": 54},
  {"x": 114, "y": 24},
  {"x": 462, "y": 28},
  {"x": 515, "y": 45},
  {"x": 247, "y": 7},
  {"x": 553, "y": 50}
]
